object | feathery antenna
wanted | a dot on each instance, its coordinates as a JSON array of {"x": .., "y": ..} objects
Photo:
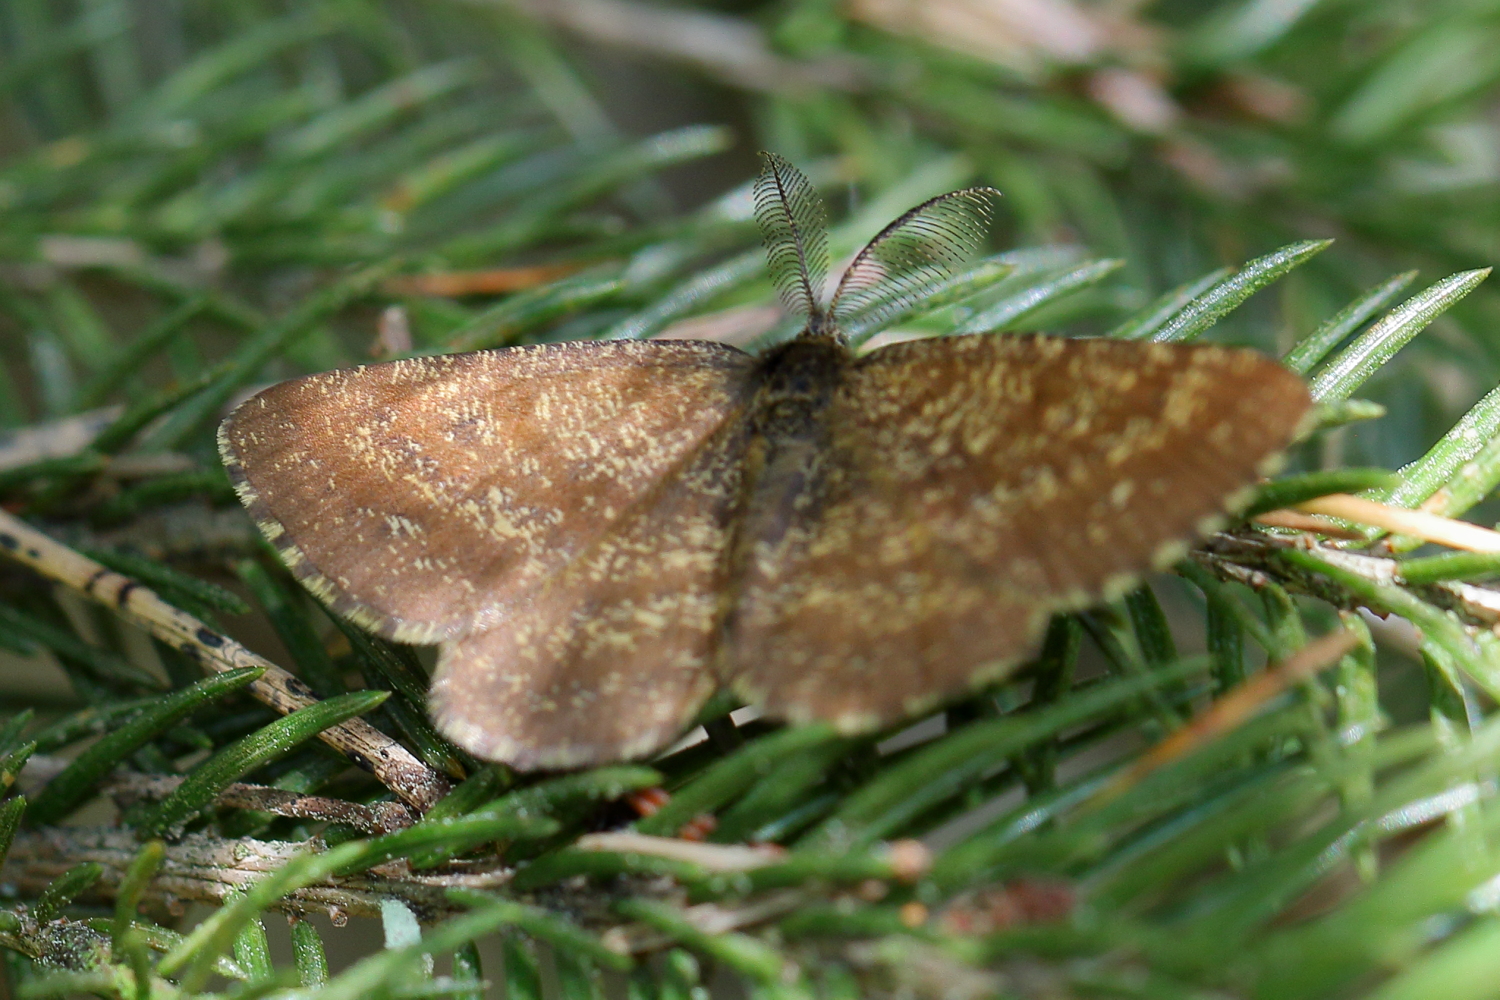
[
  {"x": 922, "y": 247},
  {"x": 795, "y": 232}
]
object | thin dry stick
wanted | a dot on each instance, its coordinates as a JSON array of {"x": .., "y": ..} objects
[
  {"x": 1237, "y": 706},
  {"x": 1417, "y": 523},
  {"x": 364, "y": 745},
  {"x": 495, "y": 281},
  {"x": 713, "y": 857},
  {"x": 909, "y": 859},
  {"x": 1249, "y": 558},
  {"x": 382, "y": 817},
  {"x": 1297, "y": 521},
  {"x": 200, "y": 868}
]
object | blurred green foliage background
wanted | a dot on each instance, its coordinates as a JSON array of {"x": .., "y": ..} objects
[
  {"x": 259, "y": 147},
  {"x": 197, "y": 198}
]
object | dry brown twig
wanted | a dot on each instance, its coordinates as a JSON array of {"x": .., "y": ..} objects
[
  {"x": 494, "y": 281},
  {"x": 364, "y": 745},
  {"x": 1416, "y": 523},
  {"x": 382, "y": 817},
  {"x": 1250, "y": 558},
  {"x": 202, "y": 868},
  {"x": 1294, "y": 520},
  {"x": 713, "y": 857}
]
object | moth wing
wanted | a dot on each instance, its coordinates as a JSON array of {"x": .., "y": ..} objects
[
  {"x": 611, "y": 657},
  {"x": 421, "y": 497},
  {"x": 970, "y": 487}
]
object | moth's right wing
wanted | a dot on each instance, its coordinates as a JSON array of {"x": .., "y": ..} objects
[
  {"x": 420, "y": 498},
  {"x": 968, "y": 488}
]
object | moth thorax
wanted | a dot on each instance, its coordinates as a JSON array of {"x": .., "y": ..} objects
[{"x": 801, "y": 377}]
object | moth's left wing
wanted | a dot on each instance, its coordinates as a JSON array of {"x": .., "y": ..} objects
[
  {"x": 968, "y": 488},
  {"x": 613, "y": 655},
  {"x": 421, "y": 498}
]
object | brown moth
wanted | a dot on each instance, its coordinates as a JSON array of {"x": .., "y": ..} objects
[{"x": 600, "y": 534}]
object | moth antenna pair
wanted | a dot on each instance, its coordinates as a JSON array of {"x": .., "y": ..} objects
[{"x": 923, "y": 246}]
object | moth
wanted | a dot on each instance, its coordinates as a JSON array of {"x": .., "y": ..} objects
[{"x": 598, "y": 535}]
